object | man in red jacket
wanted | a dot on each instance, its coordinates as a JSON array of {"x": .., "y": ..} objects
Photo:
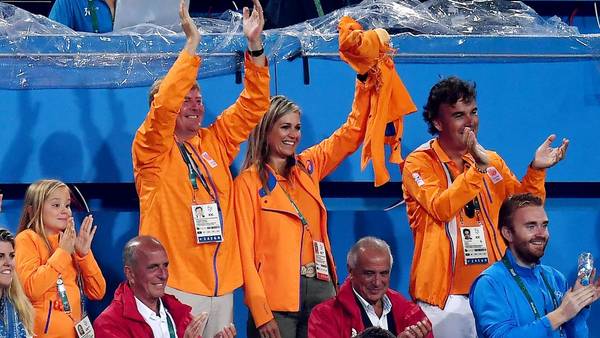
[
  {"x": 141, "y": 308},
  {"x": 364, "y": 300}
]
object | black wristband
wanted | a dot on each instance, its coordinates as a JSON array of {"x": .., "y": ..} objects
[{"x": 256, "y": 53}]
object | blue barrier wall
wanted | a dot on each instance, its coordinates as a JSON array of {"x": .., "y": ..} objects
[{"x": 528, "y": 88}]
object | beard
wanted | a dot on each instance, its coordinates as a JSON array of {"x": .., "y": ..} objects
[{"x": 528, "y": 256}]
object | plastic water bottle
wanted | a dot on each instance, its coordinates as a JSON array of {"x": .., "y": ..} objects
[{"x": 585, "y": 265}]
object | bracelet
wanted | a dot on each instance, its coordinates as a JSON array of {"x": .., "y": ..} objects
[{"x": 256, "y": 53}]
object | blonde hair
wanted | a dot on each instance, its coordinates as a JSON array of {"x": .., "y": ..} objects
[
  {"x": 31, "y": 217},
  {"x": 15, "y": 292},
  {"x": 258, "y": 146}
]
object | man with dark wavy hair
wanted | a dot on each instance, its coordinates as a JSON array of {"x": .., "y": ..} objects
[{"x": 451, "y": 183}]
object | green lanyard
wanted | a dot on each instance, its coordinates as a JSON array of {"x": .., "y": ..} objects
[
  {"x": 302, "y": 219},
  {"x": 523, "y": 288},
  {"x": 94, "y": 16},
  {"x": 170, "y": 325},
  {"x": 318, "y": 7},
  {"x": 193, "y": 171}
]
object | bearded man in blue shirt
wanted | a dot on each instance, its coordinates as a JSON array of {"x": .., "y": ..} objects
[{"x": 518, "y": 296}]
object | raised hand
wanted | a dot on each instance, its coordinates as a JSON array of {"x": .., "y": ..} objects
[
  {"x": 475, "y": 149},
  {"x": 269, "y": 329},
  {"x": 87, "y": 231},
  {"x": 546, "y": 156},
  {"x": 227, "y": 332},
  {"x": 67, "y": 237},
  {"x": 253, "y": 25},
  {"x": 189, "y": 28},
  {"x": 196, "y": 326},
  {"x": 419, "y": 330},
  {"x": 593, "y": 282},
  {"x": 572, "y": 302}
]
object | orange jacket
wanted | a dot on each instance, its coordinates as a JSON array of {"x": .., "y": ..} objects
[
  {"x": 432, "y": 204},
  {"x": 366, "y": 51},
  {"x": 38, "y": 271},
  {"x": 164, "y": 189},
  {"x": 269, "y": 227}
]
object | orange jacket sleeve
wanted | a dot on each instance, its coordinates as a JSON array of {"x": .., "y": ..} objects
[
  {"x": 37, "y": 278},
  {"x": 156, "y": 135},
  {"x": 94, "y": 285},
  {"x": 431, "y": 193},
  {"x": 234, "y": 125},
  {"x": 254, "y": 291},
  {"x": 532, "y": 182},
  {"x": 329, "y": 153}
]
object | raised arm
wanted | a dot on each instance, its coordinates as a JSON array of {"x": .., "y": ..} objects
[
  {"x": 93, "y": 280},
  {"x": 329, "y": 153},
  {"x": 156, "y": 135},
  {"x": 234, "y": 125},
  {"x": 253, "y": 28}
]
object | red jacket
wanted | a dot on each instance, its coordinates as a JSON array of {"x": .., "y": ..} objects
[
  {"x": 340, "y": 317},
  {"x": 121, "y": 318}
]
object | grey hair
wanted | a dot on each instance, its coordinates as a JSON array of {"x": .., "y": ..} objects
[
  {"x": 130, "y": 250},
  {"x": 368, "y": 242}
]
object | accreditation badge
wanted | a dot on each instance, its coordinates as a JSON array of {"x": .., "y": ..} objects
[
  {"x": 207, "y": 221},
  {"x": 84, "y": 328},
  {"x": 321, "y": 261},
  {"x": 494, "y": 174},
  {"x": 474, "y": 247}
]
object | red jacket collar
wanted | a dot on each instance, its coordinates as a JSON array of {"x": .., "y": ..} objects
[{"x": 124, "y": 295}]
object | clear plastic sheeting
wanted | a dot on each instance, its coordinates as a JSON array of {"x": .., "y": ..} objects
[{"x": 36, "y": 52}]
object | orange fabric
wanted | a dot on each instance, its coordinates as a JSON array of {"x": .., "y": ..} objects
[
  {"x": 468, "y": 273},
  {"x": 164, "y": 189},
  {"x": 432, "y": 205},
  {"x": 309, "y": 207},
  {"x": 38, "y": 271},
  {"x": 270, "y": 231},
  {"x": 390, "y": 101}
]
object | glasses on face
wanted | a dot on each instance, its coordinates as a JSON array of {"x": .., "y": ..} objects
[{"x": 471, "y": 207}]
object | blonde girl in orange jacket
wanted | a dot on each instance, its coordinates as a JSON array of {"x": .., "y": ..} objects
[{"x": 49, "y": 253}]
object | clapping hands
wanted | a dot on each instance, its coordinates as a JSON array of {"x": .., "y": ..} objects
[{"x": 546, "y": 156}]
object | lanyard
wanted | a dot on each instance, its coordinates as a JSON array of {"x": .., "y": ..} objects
[
  {"x": 318, "y": 7},
  {"x": 523, "y": 288},
  {"x": 92, "y": 9},
  {"x": 475, "y": 203},
  {"x": 194, "y": 172},
  {"x": 62, "y": 294},
  {"x": 170, "y": 325},
  {"x": 302, "y": 219}
]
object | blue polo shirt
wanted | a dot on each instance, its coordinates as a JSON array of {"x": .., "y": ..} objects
[{"x": 77, "y": 15}]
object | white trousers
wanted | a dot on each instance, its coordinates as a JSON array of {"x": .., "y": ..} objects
[
  {"x": 219, "y": 309},
  {"x": 454, "y": 321}
]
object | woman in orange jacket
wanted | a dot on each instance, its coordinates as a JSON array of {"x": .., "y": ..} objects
[
  {"x": 53, "y": 262},
  {"x": 286, "y": 255}
]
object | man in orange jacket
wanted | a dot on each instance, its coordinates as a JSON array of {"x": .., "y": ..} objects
[
  {"x": 183, "y": 179},
  {"x": 452, "y": 183}
]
